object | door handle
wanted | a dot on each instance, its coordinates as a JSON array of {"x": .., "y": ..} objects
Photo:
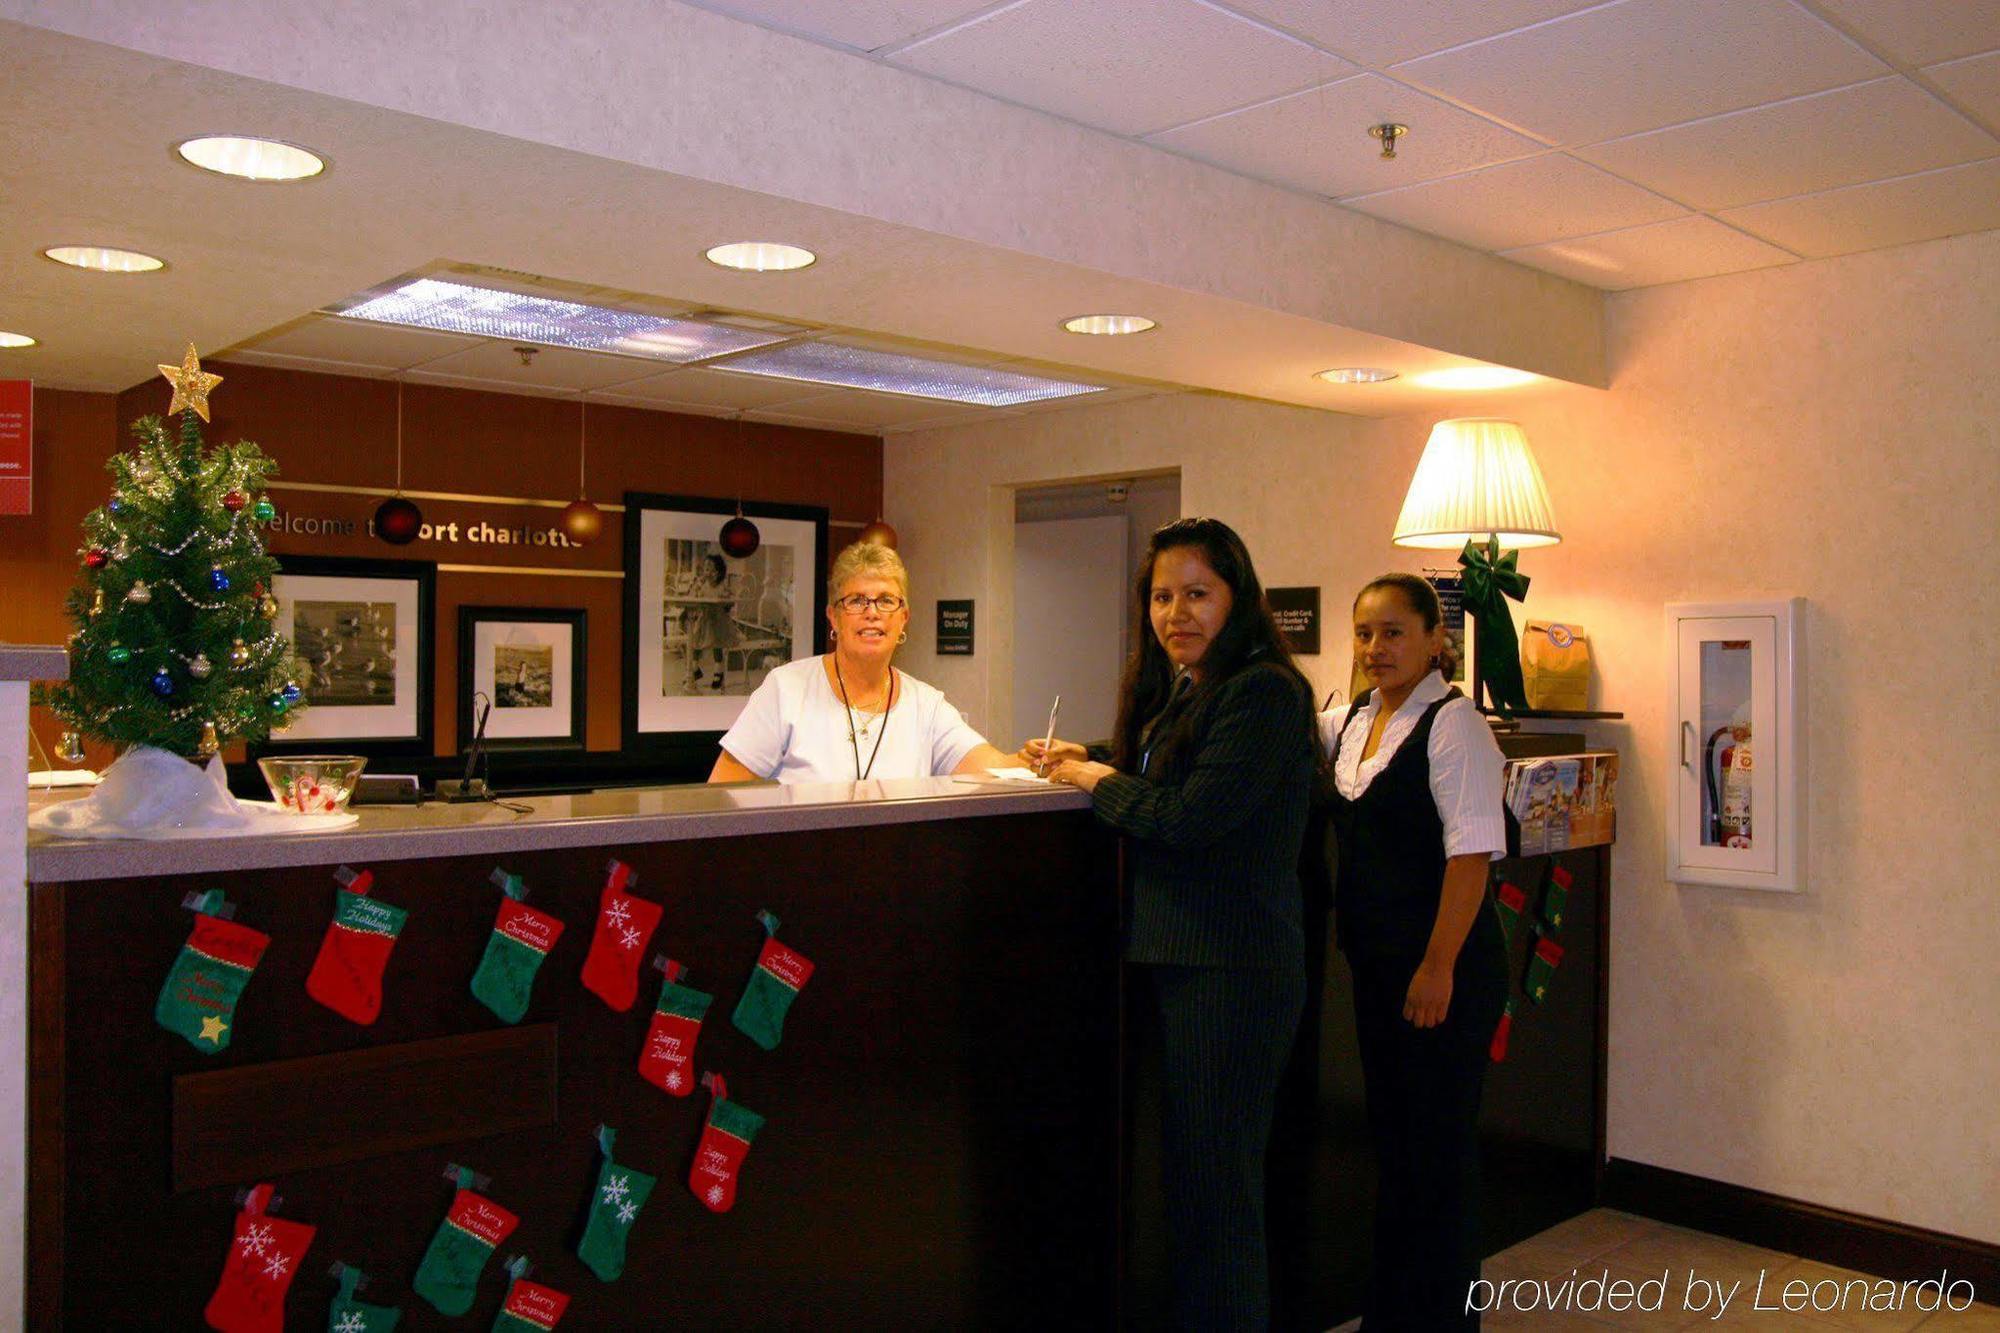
[{"x": 1687, "y": 730}]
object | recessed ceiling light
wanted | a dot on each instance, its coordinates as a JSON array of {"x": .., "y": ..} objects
[
  {"x": 761, "y": 256},
  {"x": 1109, "y": 325},
  {"x": 15, "y": 340},
  {"x": 252, "y": 159},
  {"x": 104, "y": 260},
  {"x": 1356, "y": 375},
  {"x": 1476, "y": 377},
  {"x": 487, "y": 312}
]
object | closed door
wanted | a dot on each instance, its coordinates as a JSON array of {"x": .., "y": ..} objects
[{"x": 1069, "y": 611}]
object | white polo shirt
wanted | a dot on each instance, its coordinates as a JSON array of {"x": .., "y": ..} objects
[
  {"x": 794, "y": 728},
  {"x": 1466, "y": 763}
]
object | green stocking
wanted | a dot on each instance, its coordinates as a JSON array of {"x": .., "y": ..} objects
[
  {"x": 449, "y": 1276},
  {"x": 774, "y": 983},
  {"x": 199, "y": 998},
  {"x": 521, "y": 939},
  {"x": 347, "y": 1315},
  {"x": 621, "y": 1193}
]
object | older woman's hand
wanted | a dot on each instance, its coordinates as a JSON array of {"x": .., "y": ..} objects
[
  {"x": 1039, "y": 756},
  {"x": 1081, "y": 773}
]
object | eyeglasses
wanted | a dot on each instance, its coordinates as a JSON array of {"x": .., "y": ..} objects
[{"x": 888, "y": 604}]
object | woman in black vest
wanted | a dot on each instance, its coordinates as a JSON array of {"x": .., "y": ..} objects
[
  {"x": 1211, "y": 775},
  {"x": 1416, "y": 805}
]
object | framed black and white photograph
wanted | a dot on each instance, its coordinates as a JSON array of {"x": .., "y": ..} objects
[
  {"x": 703, "y": 626},
  {"x": 362, "y": 632},
  {"x": 529, "y": 662}
]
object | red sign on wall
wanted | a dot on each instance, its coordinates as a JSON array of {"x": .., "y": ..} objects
[{"x": 17, "y": 446}]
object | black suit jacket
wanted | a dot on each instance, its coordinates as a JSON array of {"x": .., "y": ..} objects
[{"x": 1216, "y": 829}]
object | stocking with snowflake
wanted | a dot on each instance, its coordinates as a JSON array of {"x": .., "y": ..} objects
[
  {"x": 667, "y": 1062},
  {"x": 725, "y": 1141},
  {"x": 624, "y": 924},
  {"x": 781, "y": 973},
  {"x": 621, "y": 1193},
  {"x": 199, "y": 998},
  {"x": 348, "y": 1315},
  {"x": 530, "y": 1307},
  {"x": 263, "y": 1257},
  {"x": 449, "y": 1276},
  {"x": 521, "y": 939}
]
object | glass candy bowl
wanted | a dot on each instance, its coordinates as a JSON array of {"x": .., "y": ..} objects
[{"x": 312, "y": 784}]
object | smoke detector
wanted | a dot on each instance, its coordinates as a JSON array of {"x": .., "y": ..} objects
[{"x": 1116, "y": 492}]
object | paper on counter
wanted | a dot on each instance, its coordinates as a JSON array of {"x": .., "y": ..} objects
[
  {"x": 62, "y": 777},
  {"x": 1017, "y": 775}
]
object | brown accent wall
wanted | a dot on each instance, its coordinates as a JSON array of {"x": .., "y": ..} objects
[{"x": 341, "y": 430}]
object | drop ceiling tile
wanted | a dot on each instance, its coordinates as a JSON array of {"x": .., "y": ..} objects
[
  {"x": 1381, "y": 32},
  {"x": 1868, "y": 132},
  {"x": 863, "y": 24},
  {"x": 1644, "y": 64},
  {"x": 359, "y": 343},
  {"x": 1547, "y": 198},
  {"x": 552, "y": 368},
  {"x": 1673, "y": 251},
  {"x": 1918, "y": 32},
  {"x": 1974, "y": 83},
  {"x": 1947, "y": 202},
  {"x": 1318, "y": 140},
  {"x": 707, "y": 388},
  {"x": 1128, "y": 66}
]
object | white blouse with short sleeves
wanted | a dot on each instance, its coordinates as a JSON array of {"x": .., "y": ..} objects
[
  {"x": 794, "y": 728},
  {"x": 1466, "y": 763}
]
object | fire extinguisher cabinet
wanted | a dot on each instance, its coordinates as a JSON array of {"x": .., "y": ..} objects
[{"x": 1737, "y": 816}]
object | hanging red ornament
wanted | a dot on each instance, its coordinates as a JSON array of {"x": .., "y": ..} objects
[
  {"x": 234, "y": 501},
  {"x": 740, "y": 537},
  {"x": 397, "y": 521},
  {"x": 880, "y": 534},
  {"x": 96, "y": 557},
  {"x": 582, "y": 522}
]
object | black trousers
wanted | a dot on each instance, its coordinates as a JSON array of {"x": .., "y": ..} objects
[
  {"x": 1225, "y": 1034},
  {"x": 1423, "y": 1089}
]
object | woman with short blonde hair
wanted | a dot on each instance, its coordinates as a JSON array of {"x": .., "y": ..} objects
[{"x": 848, "y": 714}]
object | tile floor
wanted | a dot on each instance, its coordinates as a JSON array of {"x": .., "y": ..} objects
[{"x": 1638, "y": 1249}]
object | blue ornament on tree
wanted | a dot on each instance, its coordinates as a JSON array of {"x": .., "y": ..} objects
[
  {"x": 116, "y": 506},
  {"x": 218, "y": 579},
  {"x": 291, "y": 692},
  {"x": 163, "y": 684}
]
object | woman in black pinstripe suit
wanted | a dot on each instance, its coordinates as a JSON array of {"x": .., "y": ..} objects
[{"x": 1210, "y": 774}]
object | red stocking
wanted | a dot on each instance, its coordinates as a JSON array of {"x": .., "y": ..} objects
[
  {"x": 347, "y": 975},
  {"x": 624, "y": 924},
  {"x": 265, "y": 1255},
  {"x": 725, "y": 1142}
]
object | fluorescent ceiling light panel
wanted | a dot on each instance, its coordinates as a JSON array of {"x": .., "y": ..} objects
[
  {"x": 914, "y": 376},
  {"x": 1357, "y": 375},
  {"x": 487, "y": 312}
]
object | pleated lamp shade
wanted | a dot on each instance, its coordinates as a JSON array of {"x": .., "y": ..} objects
[{"x": 1477, "y": 479}]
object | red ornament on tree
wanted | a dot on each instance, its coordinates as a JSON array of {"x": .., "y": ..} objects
[
  {"x": 97, "y": 557},
  {"x": 397, "y": 521},
  {"x": 234, "y": 501},
  {"x": 879, "y": 533},
  {"x": 740, "y": 537}
]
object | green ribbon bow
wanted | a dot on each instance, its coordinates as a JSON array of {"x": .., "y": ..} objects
[{"x": 1491, "y": 578}]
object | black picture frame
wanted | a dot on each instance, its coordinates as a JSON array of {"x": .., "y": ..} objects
[
  {"x": 690, "y": 741},
  {"x": 470, "y": 618},
  {"x": 411, "y": 584}
]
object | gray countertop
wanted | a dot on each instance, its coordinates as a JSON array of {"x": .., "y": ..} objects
[
  {"x": 27, "y": 661},
  {"x": 600, "y": 818}
]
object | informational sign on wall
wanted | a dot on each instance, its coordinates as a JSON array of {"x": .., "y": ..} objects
[
  {"x": 954, "y": 628},
  {"x": 1297, "y": 610},
  {"x": 17, "y": 447}
]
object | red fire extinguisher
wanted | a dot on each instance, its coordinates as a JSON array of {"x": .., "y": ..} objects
[{"x": 1729, "y": 774}]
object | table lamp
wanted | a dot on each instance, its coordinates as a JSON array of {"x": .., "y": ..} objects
[{"x": 1476, "y": 487}]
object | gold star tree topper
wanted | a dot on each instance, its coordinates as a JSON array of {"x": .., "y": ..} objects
[{"x": 191, "y": 384}]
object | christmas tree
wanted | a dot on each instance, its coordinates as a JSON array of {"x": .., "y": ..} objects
[{"x": 173, "y": 645}]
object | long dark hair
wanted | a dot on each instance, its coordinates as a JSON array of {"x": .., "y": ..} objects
[
  {"x": 1249, "y": 637},
  {"x": 1423, "y": 599}
]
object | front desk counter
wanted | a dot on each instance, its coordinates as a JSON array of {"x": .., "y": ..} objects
[{"x": 941, "y": 1132}]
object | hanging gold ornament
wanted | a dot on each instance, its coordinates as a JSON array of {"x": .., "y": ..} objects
[
  {"x": 239, "y": 654},
  {"x": 96, "y": 603},
  {"x": 191, "y": 385},
  {"x": 209, "y": 744},
  {"x": 269, "y": 606},
  {"x": 70, "y": 748}
]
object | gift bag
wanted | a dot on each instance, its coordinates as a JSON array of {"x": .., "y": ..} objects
[{"x": 1555, "y": 665}]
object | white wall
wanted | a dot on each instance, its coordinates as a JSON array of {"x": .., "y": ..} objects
[{"x": 1823, "y": 430}]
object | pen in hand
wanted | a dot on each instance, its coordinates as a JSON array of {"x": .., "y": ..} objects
[{"x": 1043, "y": 762}]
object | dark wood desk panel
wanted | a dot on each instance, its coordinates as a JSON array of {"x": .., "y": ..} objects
[{"x": 942, "y": 1113}]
